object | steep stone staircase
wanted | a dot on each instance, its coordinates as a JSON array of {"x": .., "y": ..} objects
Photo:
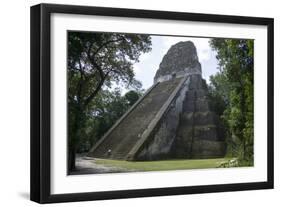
[{"x": 122, "y": 137}]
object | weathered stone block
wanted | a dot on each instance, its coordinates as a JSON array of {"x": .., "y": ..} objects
[
  {"x": 191, "y": 95},
  {"x": 189, "y": 106},
  {"x": 195, "y": 82},
  {"x": 205, "y": 118},
  {"x": 207, "y": 132},
  {"x": 208, "y": 149},
  {"x": 202, "y": 105}
]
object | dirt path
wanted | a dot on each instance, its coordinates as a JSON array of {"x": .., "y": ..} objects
[{"x": 87, "y": 165}]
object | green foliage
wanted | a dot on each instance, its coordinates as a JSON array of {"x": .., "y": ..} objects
[
  {"x": 95, "y": 61},
  {"x": 132, "y": 97},
  {"x": 218, "y": 93},
  {"x": 232, "y": 88}
]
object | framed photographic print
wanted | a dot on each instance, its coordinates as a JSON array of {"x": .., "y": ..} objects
[{"x": 133, "y": 103}]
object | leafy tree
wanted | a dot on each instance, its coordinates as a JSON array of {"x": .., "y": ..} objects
[
  {"x": 96, "y": 60},
  {"x": 132, "y": 97},
  {"x": 233, "y": 85},
  {"x": 218, "y": 93}
]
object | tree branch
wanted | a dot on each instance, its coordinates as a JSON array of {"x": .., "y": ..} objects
[
  {"x": 108, "y": 42},
  {"x": 94, "y": 93},
  {"x": 80, "y": 82},
  {"x": 103, "y": 75}
]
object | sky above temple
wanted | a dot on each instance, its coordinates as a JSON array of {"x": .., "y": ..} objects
[{"x": 146, "y": 68}]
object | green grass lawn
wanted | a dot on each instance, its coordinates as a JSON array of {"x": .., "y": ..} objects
[{"x": 164, "y": 165}]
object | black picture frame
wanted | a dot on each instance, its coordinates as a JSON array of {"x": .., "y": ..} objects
[{"x": 40, "y": 102}]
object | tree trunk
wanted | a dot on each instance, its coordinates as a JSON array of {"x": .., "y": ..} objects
[
  {"x": 74, "y": 131},
  {"x": 73, "y": 137},
  {"x": 71, "y": 159},
  {"x": 243, "y": 111}
]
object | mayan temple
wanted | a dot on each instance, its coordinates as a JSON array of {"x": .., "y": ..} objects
[{"x": 172, "y": 120}]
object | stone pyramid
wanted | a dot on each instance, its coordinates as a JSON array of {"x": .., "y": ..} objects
[{"x": 172, "y": 120}]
